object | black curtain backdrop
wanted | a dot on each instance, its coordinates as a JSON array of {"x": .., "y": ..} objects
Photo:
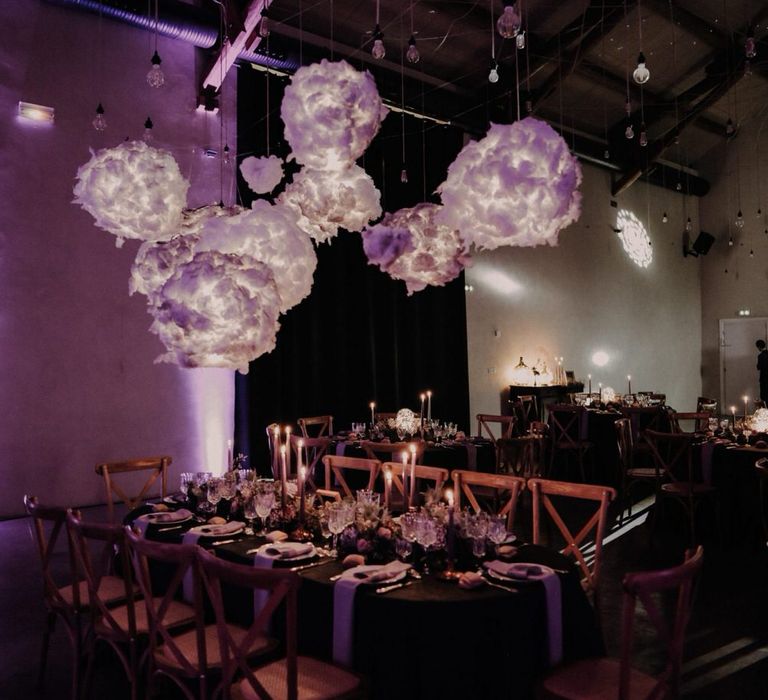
[{"x": 358, "y": 337}]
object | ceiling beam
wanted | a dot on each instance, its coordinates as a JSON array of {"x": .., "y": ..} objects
[
  {"x": 596, "y": 22},
  {"x": 712, "y": 34},
  {"x": 654, "y": 150},
  {"x": 241, "y": 34}
]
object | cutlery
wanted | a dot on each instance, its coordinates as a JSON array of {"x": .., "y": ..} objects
[
  {"x": 508, "y": 589},
  {"x": 393, "y": 587},
  {"x": 336, "y": 577},
  {"x": 253, "y": 551},
  {"x": 309, "y": 566},
  {"x": 216, "y": 544},
  {"x": 168, "y": 529}
]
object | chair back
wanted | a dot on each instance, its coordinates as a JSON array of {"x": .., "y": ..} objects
[
  {"x": 279, "y": 586},
  {"x": 568, "y": 425},
  {"x": 156, "y": 467},
  {"x": 672, "y": 455},
  {"x": 527, "y": 410},
  {"x": 504, "y": 489},
  {"x": 644, "y": 586},
  {"x": 435, "y": 475},
  {"x": 393, "y": 450},
  {"x": 46, "y": 539},
  {"x": 485, "y": 421},
  {"x": 316, "y": 426},
  {"x": 543, "y": 489},
  {"x": 642, "y": 418},
  {"x": 706, "y": 405},
  {"x": 314, "y": 450},
  {"x": 698, "y": 421},
  {"x": 335, "y": 467},
  {"x": 624, "y": 444},
  {"x": 109, "y": 541},
  {"x": 178, "y": 560}
]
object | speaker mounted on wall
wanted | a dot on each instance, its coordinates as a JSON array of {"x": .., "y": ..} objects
[{"x": 700, "y": 246}]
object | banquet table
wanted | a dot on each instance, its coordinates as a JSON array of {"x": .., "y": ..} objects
[{"x": 433, "y": 639}]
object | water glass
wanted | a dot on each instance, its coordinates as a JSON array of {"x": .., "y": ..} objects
[
  {"x": 367, "y": 497},
  {"x": 497, "y": 530},
  {"x": 337, "y": 521},
  {"x": 250, "y": 513},
  {"x": 264, "y": 503}
]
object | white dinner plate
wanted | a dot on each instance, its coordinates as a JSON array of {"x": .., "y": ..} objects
[
  {"x": 501, "y": 577},
  {"x": 373, "y": 567},
  {"x": 158, "y": 519},
  {"x": 205, "y": 531},
  {"x": 301, "y": 557}
]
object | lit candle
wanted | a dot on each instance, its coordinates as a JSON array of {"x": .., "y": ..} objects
[
  {"x": 405, "y": 480},
  {"x": 387, "y": 487},
  {"x": 229, "y": 455},
  {"x": 372, "y": 406},
  {"x": 733, "y": 416},
  {"x": 450, "y": 532},
  {"x": 283, "y": 479},
  {"x": 275, "y": 450},
  {"x": 302, "y": 483},
  {"x": 746, "y": 399},
  {"x": 589, "y": 376},
  {"x": 421, "y": 414},
  {"x": 600, "y": 389},
  {"x": 429, "y": 405},
  {"x": 413, "y": 469},
  {"x": 288, "y": 443},
  {"x": 629, "y": 383}
]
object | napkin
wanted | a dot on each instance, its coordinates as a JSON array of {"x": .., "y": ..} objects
[
  {"x": 276, "y": 536},
  {"x": 144, "y": 521},
  {"x": 193, "y": 535},
  {"x": 344, "y": 604},
  {"x": 286, "y": 550},
  {"x": 471, "y": 579},
  {"x": 523, "y": 571}
]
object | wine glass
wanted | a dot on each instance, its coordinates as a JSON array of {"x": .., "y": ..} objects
[
  {"x": 337, "y": 521},
  {"x": 426, "y": 534},
  {"x": 250, "y": 513},
  {"x": 325, "y": 532},
  {"x": 477, "y": 529},
  {"x": 229, "y": 486},
  {"x": 265, "y": 502},
  {"x": 497, "y": 530}
]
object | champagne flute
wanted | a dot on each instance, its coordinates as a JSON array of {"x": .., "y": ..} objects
[
  {"x": 265, "y": 502},
  {"x": 337, "y": 521}
]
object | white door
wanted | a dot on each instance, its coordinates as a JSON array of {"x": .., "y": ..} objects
[{"x": 738, "y": 360}]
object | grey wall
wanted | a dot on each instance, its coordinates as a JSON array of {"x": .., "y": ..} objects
[
  {"x": 585, "y": 296},
  {"x": 77, "y": 378}
]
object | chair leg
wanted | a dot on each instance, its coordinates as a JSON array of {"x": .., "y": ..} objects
[{"x": 50, "y": 624}]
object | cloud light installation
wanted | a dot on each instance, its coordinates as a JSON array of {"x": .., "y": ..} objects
[
  {"x": 517, "y": 186},
  {"x": 262, "y": 174},
  {"x": 133, "y": 191},
  {"x": 411, "y": 246}
]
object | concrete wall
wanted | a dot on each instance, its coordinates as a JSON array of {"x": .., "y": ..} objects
[
  {"x": 731, "y": 278},
  {"x": 586, "y": 296},
  {"x": 77, "y": 378}
]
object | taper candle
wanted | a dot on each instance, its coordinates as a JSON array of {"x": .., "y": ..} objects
[
  {"x": 589, "y": 376},
  {"x": 229, "y": 455},
  {"x": 629, "y": 383},
  {"x": 746, "y": 400},
  {"x": 429, "y": 405},
  {"x": 387, "y": 487},
  {"x": 733, "y": 416},
  {"x": 288, "y": 443},
  {"x": 283, "y": 479},
  {"x": 372, "y": 406},
  {"x": 405, "y": 480}
]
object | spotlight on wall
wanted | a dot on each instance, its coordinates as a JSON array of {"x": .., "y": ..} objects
[
  {"x": 744, "y": 312},
  {"x": 600, "y": 358},
  {"x": 36, "y": 113},
  {"x": 700, "y": 246}
]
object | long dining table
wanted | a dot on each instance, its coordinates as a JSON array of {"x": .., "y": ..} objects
[{"x": 431, "y": 638}]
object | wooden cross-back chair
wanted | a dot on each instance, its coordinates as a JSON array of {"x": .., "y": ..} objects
[
  {"x": 157, "y": 467},
  {"x": 321, "y": 426},
  {"x": 188, "y": 658},
  {"x": 69, "y": 602},
  {"x": 314, "y": 450},
  {"x": 503, "y": 489},
  {"x": 524, "y": 455},
  {"x": 335, "y": 467},
  {"x": 527, "y": 409},
  {"x": 543, "y": 490},
  {"x": 436, "y": 477},
  {"x": 291, "y": 676},
  {"x": 698, "y": 421},
  {"x": 600, "y": 678},
  {"x": 630, "y": 475},
  {"x": 486, "y": 422},
  {"x": 675, "y": 478},
  {"x": 393, "y": 450},
  {"x": 568, "y": 429}
]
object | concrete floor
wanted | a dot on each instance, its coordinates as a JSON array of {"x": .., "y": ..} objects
[{"x": 727, "y": 642}]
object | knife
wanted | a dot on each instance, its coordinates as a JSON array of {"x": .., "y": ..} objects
[
  {"x": 216, "y": 544},
  {"x": 168, "y": 529},
  {"x": 310, "y": 565},
  {"x": 393, "y": 587}
]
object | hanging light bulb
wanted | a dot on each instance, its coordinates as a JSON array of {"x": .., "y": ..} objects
[
  {"x": 378, "y": 51},
  {"x": 508, "y": 25},
  {"x": 629, "y": 132},
  {"x": 739, "y": 220},
  {"x": 730, "y": 129},
  {"x": 730, "y": 242},
  {"x": 759, "y": 212},
  {"x": 751, "y": 253},
  {"x": 689, "y": 225},
  {"x": 679, "y": 186},
  {"x": 664, "y": 218},
  {"x": 750, "y": 48},
  {"x": 404, "y": 175},
  {"x": 520, "y": 40},
  {"x": 99, "y": 121},
  {"x": 493, "y": 76},
  {"x": 264, "y": 28},
  {"x": 147, "y": 136},
  {"x": 606, "y": 154},
  {"x": 155, "y": 77},
  {"x": 529, "y": 106},
  {"x": 641, "y": 74},
  {"x": 412, "y": 54},
  {"x": 643, "y": 136},
  {"x": 225, "y": 157}
]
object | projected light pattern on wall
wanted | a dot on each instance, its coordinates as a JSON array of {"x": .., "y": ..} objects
[{"x": 634, "y": 238}]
